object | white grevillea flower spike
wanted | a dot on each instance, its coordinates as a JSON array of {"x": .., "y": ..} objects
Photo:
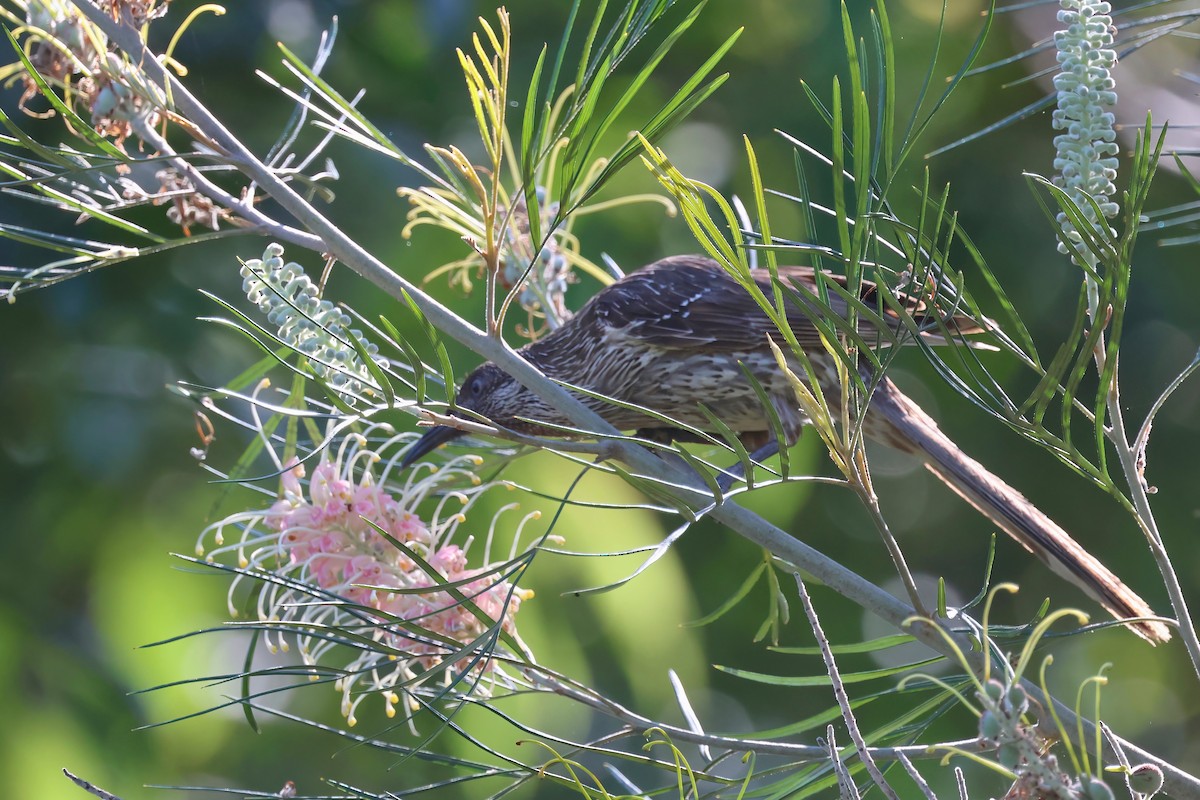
[
  {"x": 313, "y": 327},
  {"x": 1087, "y": 148}
]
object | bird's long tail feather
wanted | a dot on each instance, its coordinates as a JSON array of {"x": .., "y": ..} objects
[{"x": 915, "y": 431}]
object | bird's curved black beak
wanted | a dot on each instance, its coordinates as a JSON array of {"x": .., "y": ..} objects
[{"x": 434, "y": 438}]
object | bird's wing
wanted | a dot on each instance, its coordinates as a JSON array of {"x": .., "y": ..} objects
[
  {"x": 684, "y": 302},
  {"x": 690, "y": 302}
]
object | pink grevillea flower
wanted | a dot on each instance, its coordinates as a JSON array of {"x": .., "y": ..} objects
[{"x": 346, "y": 564}]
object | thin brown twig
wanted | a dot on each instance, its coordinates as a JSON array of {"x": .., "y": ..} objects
[
  {"x": 839, "y": 692},
  {"x": 847, "y": 789},
  {"x": 203, "y": 186},
  {"x": 90, "y": 788},
  {"x": 917, "y": 778}
]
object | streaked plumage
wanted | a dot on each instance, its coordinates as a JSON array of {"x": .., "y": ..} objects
[{"x": 677, "y": 333}]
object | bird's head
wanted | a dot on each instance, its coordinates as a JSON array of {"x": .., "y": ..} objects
[{"x": 489, "y": 392}]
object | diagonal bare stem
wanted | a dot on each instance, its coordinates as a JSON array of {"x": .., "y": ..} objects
[{"x": 1145, "y": 515}]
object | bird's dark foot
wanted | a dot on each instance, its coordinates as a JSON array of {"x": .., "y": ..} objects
[
  {"x": 666, "y": 435},
  {"x": 764, "y": 446},
  {"x": 732, "y": 474}
]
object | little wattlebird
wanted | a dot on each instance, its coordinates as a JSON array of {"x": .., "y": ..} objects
[{"x": 682, "y": 332}]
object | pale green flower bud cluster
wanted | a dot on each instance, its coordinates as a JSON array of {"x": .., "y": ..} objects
[
  {"x": 1019, "y": 748},
  {"x": 1086, "y": 159},
  {"x": 121, "y": 100},
  {"x": 543, "y": 278},
  {"x": 124, "y": 95},
  {"x": 61, "y": 20},
  {"x": 315, "y": 328}
]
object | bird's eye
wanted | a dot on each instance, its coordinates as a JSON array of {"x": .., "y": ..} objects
[{"x": 474, "y": 387}]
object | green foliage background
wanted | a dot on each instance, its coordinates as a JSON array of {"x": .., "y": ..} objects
[{"x": 97, "y": 486}]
